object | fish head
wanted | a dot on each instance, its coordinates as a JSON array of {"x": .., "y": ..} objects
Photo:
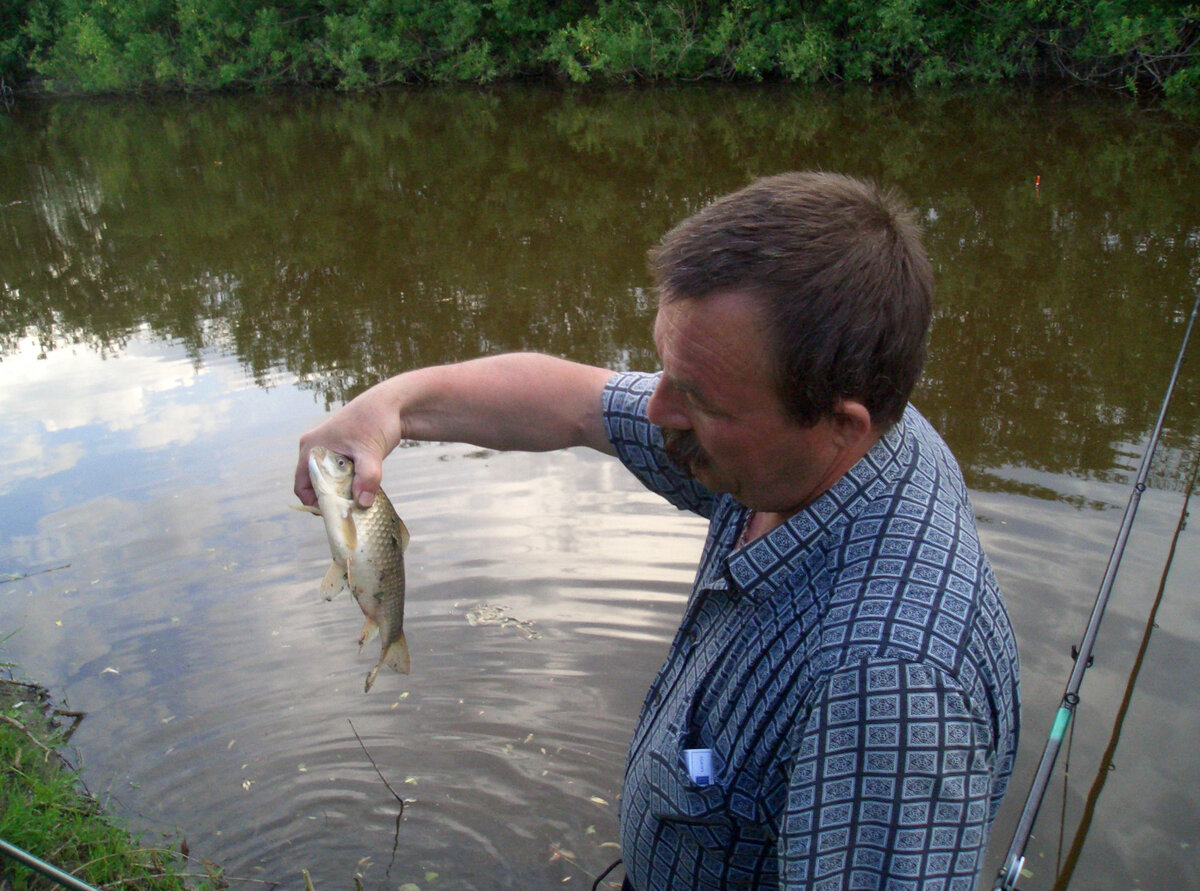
[{"x": 331, "y": 473}]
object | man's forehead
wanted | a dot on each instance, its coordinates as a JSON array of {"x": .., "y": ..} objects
[
  {"x": 667, "y": 321},
  {"x": 716, "y": 325}
]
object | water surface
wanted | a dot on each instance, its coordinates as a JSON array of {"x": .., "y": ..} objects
[{"x": 187, "y": 285}]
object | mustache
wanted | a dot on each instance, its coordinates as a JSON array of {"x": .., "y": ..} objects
[{"x": 683, "y": 448}]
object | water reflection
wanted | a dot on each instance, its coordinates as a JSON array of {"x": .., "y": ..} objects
[
  {"x": 343, "y": 241},
  {"x": 187, "y": 284}
]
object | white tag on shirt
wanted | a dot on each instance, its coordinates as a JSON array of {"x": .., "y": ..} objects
[{"x": 699, "y": 764}]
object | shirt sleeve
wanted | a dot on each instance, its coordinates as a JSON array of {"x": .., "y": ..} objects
[
  {"x": 890, "y": 786},
  {"x": 639, "y": 443}
]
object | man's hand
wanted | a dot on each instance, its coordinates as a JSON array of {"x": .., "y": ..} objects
[{"x": 365, "y": 430}]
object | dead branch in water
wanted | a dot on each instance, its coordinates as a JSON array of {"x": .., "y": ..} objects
[
  {"x": 13, "y": 722},
  {"x": 376, "y": 766}
]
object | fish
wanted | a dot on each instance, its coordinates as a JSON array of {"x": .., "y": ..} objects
[{"x": 368, "y": 547}]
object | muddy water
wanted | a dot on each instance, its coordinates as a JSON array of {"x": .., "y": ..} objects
[{"x": 189, "y": 284}]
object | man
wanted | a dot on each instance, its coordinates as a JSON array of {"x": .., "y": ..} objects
[{"x": 839, "y": 706}]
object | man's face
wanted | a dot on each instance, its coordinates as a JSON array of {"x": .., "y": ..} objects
[{"x": 720, "y": 414}]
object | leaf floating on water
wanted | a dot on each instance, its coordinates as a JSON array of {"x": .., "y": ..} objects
[
  {"x": 410, "y": 781},
  {"x": 231, "y": 742},
  {"x": 596, "y": 799},
  {"x": 246, "y": 784},
  {"x": 431, "y": 876},
  {"x": 409, "y": 886},
  {"x": 110, "y": 670}
]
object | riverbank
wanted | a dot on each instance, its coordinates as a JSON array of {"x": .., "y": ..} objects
[{"x": 46, "y": 810}]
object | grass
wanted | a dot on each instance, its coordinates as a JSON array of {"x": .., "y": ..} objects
[{"x": 46, "y": 810}]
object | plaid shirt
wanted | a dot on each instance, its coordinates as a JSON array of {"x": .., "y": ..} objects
[{"x": 853, "y": 673}]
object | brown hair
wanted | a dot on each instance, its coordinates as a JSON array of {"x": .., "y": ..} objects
[{"x": 844, "y": 285}]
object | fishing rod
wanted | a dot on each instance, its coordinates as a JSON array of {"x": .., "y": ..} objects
[
  {"x": 1014, "y": 860},
  {"x": 1106, "y": 761},
  {"x": 53, "y": 873}
]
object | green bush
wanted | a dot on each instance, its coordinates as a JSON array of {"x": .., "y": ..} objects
[{"x": 1142, "y": 46}]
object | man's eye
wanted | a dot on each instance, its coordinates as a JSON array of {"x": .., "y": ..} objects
[{"x": 701, "y": 406}]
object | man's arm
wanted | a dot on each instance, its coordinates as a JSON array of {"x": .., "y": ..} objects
[{"x": 519, "y": 401}]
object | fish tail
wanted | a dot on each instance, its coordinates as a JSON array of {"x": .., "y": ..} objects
[{"x": 396, "y": 655}]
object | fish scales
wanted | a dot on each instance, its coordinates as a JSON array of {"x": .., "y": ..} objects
[{"x": 380, "y": 527}]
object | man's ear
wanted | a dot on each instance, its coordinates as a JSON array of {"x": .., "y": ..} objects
[{"x": 852, "y": 427}]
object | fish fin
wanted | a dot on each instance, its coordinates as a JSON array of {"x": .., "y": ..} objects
[
  {"x": 349, "y": 532},
  {"x": 395, "y": 658},
  {"x": 370, "y": 629},
  {"x": 403, "y": 534},
  {"x": 335, "y": 581},
  {"x": 308, "y": 509},
  {"x": 396, "y": 655}
]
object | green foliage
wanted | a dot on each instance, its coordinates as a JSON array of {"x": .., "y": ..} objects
[
  {"x": 44, "y": 810},
  {"x": 389, "y": 41},
  {"x": 118, "y": 45},
  {"x": 15, "y": 40}
]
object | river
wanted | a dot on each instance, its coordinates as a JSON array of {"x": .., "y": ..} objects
[{"x": 187, "y": 284}]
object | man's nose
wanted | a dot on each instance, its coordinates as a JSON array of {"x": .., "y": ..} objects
[{"x": 665, "y": 407}]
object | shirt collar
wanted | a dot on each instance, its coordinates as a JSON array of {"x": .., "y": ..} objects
[{"x": 764, "y": 563}]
